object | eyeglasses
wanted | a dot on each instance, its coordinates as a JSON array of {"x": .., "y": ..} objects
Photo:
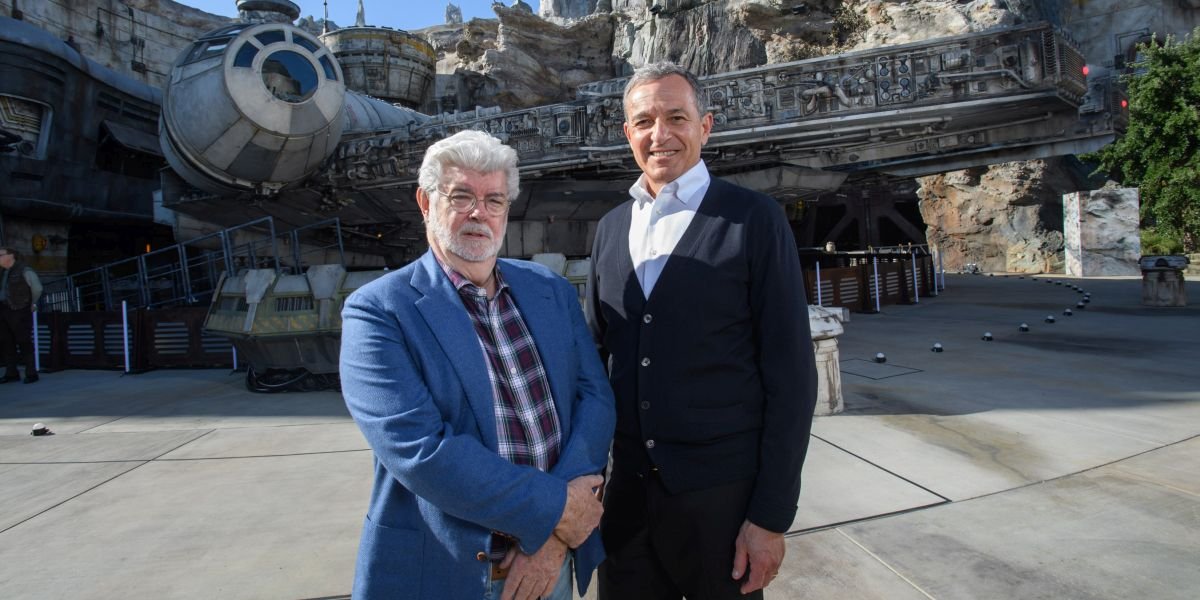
[{"x": 462, "y": 202}]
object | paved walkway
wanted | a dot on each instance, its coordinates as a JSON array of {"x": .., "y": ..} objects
[{"x": 1059, "y": 463}]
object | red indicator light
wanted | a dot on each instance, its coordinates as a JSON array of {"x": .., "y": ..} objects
[
  {"x": 1124, "y": 104},
  {"x": 1085, "y": 69}
]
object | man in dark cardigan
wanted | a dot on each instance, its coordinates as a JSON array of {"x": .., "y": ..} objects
[{"x": 696, "y": 298}]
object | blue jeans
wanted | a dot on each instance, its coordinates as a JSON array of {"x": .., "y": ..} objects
[{"x": 562, "y": 588}]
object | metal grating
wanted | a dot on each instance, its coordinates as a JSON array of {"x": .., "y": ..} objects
[
  {"x": 43, "y": 339},
  {"x": 849, "y": 288},
  {"x": 294, "y": 303},
  {"x": 826, "y": 293},
  {"x": 171, "y": 337},
  {"x": 892, "y": 283},
  {"x": 80, "y": 339},
  {"x": 213, "y": 344},
  {"x": 112, "y": 339}
]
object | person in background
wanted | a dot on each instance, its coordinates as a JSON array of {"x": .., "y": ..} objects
[
  {"x": 697, "y": 297},
  {"x": 479, "y": 388},
  {"x": 20, "y": 289}
]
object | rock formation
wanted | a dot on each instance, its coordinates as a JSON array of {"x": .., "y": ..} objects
[
  {"x": 1007, "y": 217},
  {"x": 520, "y": 60},
  {"x": 1100, "y": 231}
]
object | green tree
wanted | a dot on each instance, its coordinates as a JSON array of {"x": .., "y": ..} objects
[{"x": 1160, "y": 152}]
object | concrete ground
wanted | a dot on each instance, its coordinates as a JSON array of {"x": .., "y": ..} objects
[{"x": 1063, "y": 462}]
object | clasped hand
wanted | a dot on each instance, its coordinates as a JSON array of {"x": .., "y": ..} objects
[
  {"x": 534, "y": 575},
  {"x": 582, "y": 513}
]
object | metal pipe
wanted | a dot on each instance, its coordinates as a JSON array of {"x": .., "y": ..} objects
[
  {"x": 143, "y": 280},
  {"x": 876, "y": 261},
  {"x": 978, "y": 74},
  {"x": 819, "y": 303},
  {"x": 933, "y": 289},
  {"x": 916, "y": 284},
  {"x": 35, "y": 208},
  {"x": 37, "y": 354},
  {"x": 185, "y": 275},
  {"x": 337, "y": 227},
  {"x": 125, "y": 332},
  {"x": 108, "y": 305},
  {"x": 942, "y": 268}
]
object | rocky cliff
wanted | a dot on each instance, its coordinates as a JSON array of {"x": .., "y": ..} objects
[{"x": 1006, "y": 217}]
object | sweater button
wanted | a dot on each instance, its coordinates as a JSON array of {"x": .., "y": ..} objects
[
  {"x": 647, "y": 318},
  {"x": 645, "y": 405},
  {"x": 481, "y": 556},
  {"x": 650, "y": 444},
  {"x": 646, "y": 362}
]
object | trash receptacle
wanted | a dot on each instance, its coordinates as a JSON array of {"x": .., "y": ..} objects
[{"x": 1162, "y": 280}]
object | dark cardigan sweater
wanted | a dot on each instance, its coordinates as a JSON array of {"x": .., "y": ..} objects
[{"x": 713, "y": 373}]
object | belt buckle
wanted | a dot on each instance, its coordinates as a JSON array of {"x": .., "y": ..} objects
[{"x": 498, "y": 572}]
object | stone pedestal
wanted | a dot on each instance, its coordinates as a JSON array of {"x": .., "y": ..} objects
[
  {"x": 826, "y": 325},
  {"x": 1163, "y": 281},
  {"x": 1100, "y": 232}
]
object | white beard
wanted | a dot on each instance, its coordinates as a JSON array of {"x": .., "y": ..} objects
[{"x": 470, "y": 250}]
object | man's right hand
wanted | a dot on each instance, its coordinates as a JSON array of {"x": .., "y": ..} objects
[{"x": 582, "y": 513}]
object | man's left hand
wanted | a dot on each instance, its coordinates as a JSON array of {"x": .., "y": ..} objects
[
  {"x": 761, "y": 551},
  {"x": 533, "y": 576}
]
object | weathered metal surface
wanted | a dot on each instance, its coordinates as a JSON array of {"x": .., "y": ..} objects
[
  {"x": 285, "y": 321},
  {"x": 388, "y": 64},
  {"x": 86, "y": 149},
  {"x": 904, "y": 110}
]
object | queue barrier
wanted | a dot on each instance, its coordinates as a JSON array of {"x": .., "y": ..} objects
[
  {"x": 158, "y": 338},
  {"x": 862, "y": 283}
]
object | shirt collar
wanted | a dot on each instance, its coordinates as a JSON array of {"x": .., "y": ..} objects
[
  {"x": 464, "y": 285},
  {"x": 684, "y": 188}
]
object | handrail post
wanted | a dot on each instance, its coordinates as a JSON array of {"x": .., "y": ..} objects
[
  {"x": 227, "y": 250},
  {"x": 819, "y": 303},
  {"x": 124, "y": 332},
  {"x": 337, "y": 227},
  {"x": 274, "y": 244},
  {"x": 73, "y": 294},
  {"x": 875, "y": 261},
  {"x": 37, "y": 351},
  {"x": 186, "y": 277},
  {"x": 106, "y": 288},
  {"x": 143, "y": 280},
  {"x": 295, "y": 235},
  {"x": 916, "y": 280}
]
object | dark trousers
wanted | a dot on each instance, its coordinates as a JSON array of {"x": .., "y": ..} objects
[
  {"x": 662, "y": 546},
  {"x": 16, "y": 333}
]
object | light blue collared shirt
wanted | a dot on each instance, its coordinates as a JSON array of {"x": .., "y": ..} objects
[{"x": 658, "y": 223}]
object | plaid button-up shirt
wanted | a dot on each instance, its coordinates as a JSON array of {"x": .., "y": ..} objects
[{"x": 526, "y": 421}]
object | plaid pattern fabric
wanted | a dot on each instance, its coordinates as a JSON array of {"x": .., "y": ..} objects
[{"x": 526, "y": 422}]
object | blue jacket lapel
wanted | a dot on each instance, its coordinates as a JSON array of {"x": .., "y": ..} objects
[{"x": 443, "y": 311}]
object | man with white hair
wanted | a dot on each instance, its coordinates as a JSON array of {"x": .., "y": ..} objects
[{"x": 477, "y": 384}]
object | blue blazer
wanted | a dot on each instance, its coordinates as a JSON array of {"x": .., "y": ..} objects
[{"x": 415, "y": 380}]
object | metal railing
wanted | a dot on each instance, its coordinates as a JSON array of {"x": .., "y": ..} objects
[
  {"x": 187, "y": 273},
  {"x": 866, "y": 280}
]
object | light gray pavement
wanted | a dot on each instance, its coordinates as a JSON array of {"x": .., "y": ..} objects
[{"x": 1059, "y": 463}]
